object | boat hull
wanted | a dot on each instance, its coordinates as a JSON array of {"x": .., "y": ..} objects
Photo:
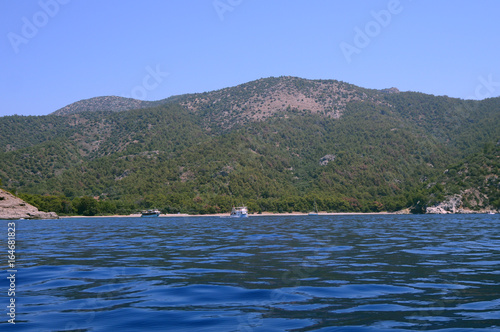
[
  {"x": 153, "y": 213},
  {"x": 239, "y": 212},
  {"x": 150, "y": 215}
]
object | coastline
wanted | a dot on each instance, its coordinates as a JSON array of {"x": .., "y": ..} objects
[
  {"x": 272, "y": 214},
  {"x": 14, "y": 208},
  {"x": 226, "y": 215}
]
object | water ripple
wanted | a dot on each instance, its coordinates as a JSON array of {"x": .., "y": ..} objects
[{"x": 322, "y": 273}]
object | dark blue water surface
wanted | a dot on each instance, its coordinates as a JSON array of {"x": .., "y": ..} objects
[{"x": 279, "y": 273}]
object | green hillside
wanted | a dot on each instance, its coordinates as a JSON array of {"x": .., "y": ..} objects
[
  {"x": 476, "y": 179},
  {"x": 354, "y": 149}
]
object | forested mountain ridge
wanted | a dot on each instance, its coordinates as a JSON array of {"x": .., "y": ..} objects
[
  {"x": 345, "y": 147},
  {"x": 263, "y": 98},
  {"x": 248, "y": 102}
]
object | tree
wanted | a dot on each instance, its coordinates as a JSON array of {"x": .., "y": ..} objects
[{"x": 87, "y": 206}]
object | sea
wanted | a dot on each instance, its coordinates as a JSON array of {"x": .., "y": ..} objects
[{"x": 262, "y": 273}]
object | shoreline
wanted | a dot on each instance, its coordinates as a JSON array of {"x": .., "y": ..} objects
[
  {"x": 226, "y": 215},
  {"x": 271, "y": 214}
]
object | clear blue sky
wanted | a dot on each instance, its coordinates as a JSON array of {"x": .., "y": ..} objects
[{"x": 55, "y": 52}]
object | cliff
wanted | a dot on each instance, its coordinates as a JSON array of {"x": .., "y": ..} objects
[{"x": 12, "y": 207}]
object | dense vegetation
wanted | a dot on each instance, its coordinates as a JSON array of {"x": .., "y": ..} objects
[
  {"x": 476, "y": 179},
  {"x": 386, "y": 152}
]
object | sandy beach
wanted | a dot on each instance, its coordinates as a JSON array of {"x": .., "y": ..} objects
[{"x": 222, "y": 215}]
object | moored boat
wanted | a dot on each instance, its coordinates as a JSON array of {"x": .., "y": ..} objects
[
  {"x": 150, "y": 213},
  {"x": 239, "y": 212}
]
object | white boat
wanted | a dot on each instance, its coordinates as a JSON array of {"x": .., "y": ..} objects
[
  {"x": 150, "y": 213},
  {"x": 239, "y": 212}
]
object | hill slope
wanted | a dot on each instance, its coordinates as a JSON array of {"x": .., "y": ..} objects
[
  {"x": 469, "y": 185},
  {"x": 263, "y": 98},
  {"x": 276, "y": 144},
  {"x": 252, "y": 101}
]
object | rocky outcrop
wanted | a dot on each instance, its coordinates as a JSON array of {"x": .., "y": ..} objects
[
  {"x": 326, "y": 159},
  {"x": 12, "y": 207},
  {"x": 390, "y": 90},
  {"x": 451, "y": 205},
  {"x": 455, "y": 204}
]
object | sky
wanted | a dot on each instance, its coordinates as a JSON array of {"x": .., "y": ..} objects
[{"x": 56, "y": 52}]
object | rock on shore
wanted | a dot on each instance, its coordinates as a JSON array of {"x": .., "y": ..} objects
[
  {"x": 454, "y": 204},
  {"x": 12, "y": 207}
]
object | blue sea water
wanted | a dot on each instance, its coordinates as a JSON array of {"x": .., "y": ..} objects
[{"x": 276, "y": 273}]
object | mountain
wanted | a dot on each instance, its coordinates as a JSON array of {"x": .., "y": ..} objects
[
  {"x": 275, "y": 144},
  {"x": 264, "y": 98},
  {"x": 107, "y": 103},
  {"x": 252, "y": 101}
]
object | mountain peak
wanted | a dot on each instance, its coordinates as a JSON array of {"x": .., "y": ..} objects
[
  {"x": 391, "y": 90},
  {"x": 105, "y": 103},
  {"x": 265, "y": 97},
  {"x": 252, "y": 101}
]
